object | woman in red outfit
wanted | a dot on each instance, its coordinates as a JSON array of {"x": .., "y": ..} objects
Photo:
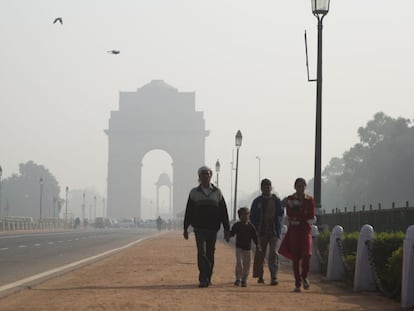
[{"x": 297, "y": 243}]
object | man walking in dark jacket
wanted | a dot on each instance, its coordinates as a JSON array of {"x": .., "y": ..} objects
[
  {"x": 266, "y": 215},
  {"x": 206, "y": 210}
]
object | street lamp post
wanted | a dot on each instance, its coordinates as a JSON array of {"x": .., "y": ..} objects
[
  {"x": 66, "y": 205},
  {"x": 231, "y": 177},
  {"x": 54, "y": 212},
  {"x": 83, "y": 207},
  {"x": 258, "y": 158},
  {"x": 319, "y": 9},
  {"x": 1, "y": 174},
  {"x": 217, "y": 172},
  {"x": 41, "y": 197},
  {"x": 238, "y": 144},
  {"x": 94, "y": 208}
]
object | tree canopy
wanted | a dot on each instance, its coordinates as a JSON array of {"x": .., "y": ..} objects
[
  {"x": 378, "y": 169},
  {"x": 22, "y": 193}
]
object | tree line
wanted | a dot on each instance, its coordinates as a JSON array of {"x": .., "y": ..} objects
[{"x": 377, "y": 169}]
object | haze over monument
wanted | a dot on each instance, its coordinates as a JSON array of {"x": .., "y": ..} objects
[{"x": 244, "y": 61}]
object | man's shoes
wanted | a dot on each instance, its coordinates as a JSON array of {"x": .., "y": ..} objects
[
  {"x": 243, "y": 284},
  {"x": 297, "y": 290},
  {"x": 305, "y": 283},
  {"x": 260, "y": 280},
  {"x": 237, "y": 283},
  {"x": 203, "y": 284},
  {"x": 274, "y": 282}
]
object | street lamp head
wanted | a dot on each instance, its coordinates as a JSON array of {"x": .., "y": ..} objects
[
  {"x": 238, "y": 139},
  {"x": 41, "y": 180},
  {"x": 1, "y": 171},
  {"x": 67, "y": 189},
  {"x": 217, "y": 166},
  {"x": 320, "y": 7}
]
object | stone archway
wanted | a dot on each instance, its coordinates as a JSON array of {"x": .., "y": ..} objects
[{"x": 156, "y": 116}]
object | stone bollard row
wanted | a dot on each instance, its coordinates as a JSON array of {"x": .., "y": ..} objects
[{"x": 364, "y": 278}]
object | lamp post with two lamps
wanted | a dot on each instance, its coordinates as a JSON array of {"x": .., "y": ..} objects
[
  {"x": 238, "y": 144},
  {"x": 217, "y": 172},
  {"x": 319, "y": 9}
]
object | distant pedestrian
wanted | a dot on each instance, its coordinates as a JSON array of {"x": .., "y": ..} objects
[
  {"x": 206, "y": 211},
  {"x": 245, "y": 232},
  {"x": 297, "y": 243},
  {"x": 266, "y": 215},
  {"x": 159, "y": 222}
]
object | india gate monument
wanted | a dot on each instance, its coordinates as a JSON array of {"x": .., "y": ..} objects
[{"x": 156, "y": 116}]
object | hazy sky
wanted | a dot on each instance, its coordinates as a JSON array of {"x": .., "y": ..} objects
[{"x": 245, "y": 60}]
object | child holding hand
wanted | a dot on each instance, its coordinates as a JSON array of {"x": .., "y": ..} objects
[{"x": 245, "y": 232}]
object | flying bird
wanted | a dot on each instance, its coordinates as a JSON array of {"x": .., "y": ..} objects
[
  {"x": 58, "y": 19},
  {"x": 114, "y": 52}
]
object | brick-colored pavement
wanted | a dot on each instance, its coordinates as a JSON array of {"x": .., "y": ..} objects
[{"x": 160, "y": 273}]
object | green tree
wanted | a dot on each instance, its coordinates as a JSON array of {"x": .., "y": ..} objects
[
  {"x": 378, "y": 169},
  {"x": 23, "y": 192}
]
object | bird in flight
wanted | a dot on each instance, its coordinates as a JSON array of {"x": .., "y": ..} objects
[
  {"x": 58, "y": 19},
  {"x": 114, "y": 52}
]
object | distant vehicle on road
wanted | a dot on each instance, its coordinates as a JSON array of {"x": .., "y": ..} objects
[{"x": 125, "y": 223}]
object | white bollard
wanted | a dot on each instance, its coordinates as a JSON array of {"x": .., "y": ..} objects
[
  {"x": 336, "y": 268},
  {"x": 407, "y": 284},
  {"x": 314, "y": 263},
  {"x": 364, "y": 275}
]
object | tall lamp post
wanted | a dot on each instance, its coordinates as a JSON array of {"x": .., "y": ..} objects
[
  {"x": 83, "y": 207},
  {"x": 319, "y": 9},
  {"x": 258, "y": 158},
  {"x": 217, "y": 172},
  {"x": 94, "y": 209},
  {"x": 1, "y": 174},
  {"x": 238, "y": 144},
  {"x": 41, "y": 197},
  {"x": 66, "y": 205},
  {"x": 231, "y": 177}
]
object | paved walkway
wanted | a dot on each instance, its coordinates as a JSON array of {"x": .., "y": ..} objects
[{"x": 160, "y": 273}]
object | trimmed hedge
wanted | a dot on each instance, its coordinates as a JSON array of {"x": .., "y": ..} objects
[{"x": 387, "y": 251}]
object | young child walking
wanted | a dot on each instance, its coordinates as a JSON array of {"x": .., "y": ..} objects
[{"x": 245, "y": 232}]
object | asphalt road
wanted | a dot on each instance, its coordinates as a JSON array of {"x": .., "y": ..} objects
[{"x": 28, "y": 254}]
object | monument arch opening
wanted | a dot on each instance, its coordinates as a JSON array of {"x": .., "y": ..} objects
[{"x": 157, "y": 174}]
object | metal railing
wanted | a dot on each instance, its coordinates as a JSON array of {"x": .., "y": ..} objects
[{"x": 383, "y": 220}]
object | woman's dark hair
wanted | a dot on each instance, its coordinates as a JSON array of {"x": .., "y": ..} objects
[{"x": 300, "y": 179}]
